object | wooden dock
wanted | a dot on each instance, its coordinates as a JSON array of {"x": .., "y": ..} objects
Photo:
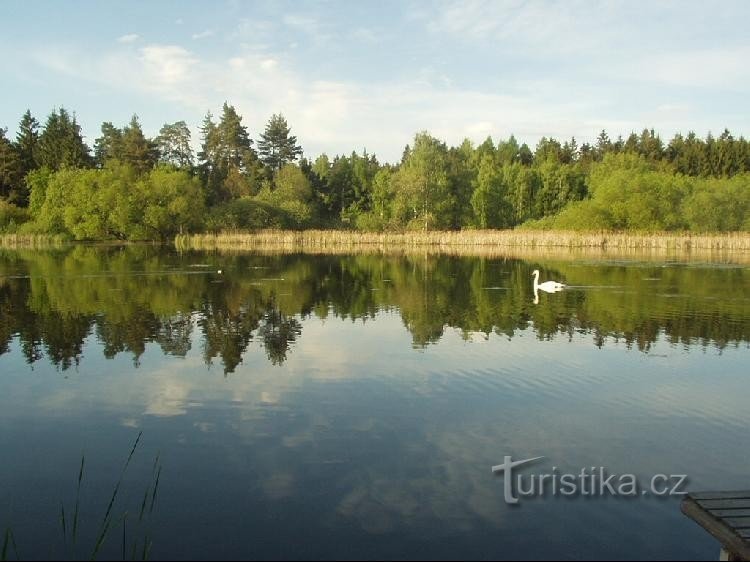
[{"x": 726, "y": 515}]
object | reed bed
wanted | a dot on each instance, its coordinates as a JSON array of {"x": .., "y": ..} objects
[
  {"x": 733, "y": 247},
  {"x": 32, "y": 241}
]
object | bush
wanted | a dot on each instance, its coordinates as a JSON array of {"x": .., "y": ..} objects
[
  {"x": 11, "y": 217},
  {"x": 241, "y": 214},
  {"x": 719, "y": 205}
]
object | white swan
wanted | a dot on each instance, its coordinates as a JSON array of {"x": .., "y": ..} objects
[{"x": 547, "y": 286}]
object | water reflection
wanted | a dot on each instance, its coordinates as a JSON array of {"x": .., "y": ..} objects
[
  {"x": 344, "y": 432},
  {"x": 51, "y": 302}
]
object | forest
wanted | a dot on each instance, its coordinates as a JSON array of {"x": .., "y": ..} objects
[{"x": 130, "y": 187}]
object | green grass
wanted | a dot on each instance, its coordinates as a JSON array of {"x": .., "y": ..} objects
[{"x": 133, "y": 545}]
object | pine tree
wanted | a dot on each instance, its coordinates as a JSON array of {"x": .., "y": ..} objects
[
  {"x": 174, "y": 145},
  {"x": 61, "y": 143},
  {"x": 26, "y": 141},
  {"x": 227, "y": 162},
  {"x": 109, "y": 145},
  {"x": 276, "y": 146},
  {"x": 234, "y": 143},
  {"x": 137, "y": 150},
  {"x": 11, "y": 177},
  {"x": 603, "y": 144}
]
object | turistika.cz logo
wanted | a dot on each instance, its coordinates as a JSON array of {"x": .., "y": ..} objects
[{"x": 589, "y": 481}]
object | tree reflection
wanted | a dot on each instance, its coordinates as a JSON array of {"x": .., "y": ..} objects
[
  {"x": 130, "y": 297},
  {"x": 278, "y": 332}
]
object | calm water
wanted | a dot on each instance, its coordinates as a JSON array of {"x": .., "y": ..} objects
[{"x": 307, "y": 406}]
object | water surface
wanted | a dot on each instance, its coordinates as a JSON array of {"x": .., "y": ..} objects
[{"x": 321, "y": 406}]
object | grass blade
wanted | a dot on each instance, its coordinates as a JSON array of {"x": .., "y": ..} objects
[
  {"x": 156, "y": 488},
  {"x": 100, "y": 540},
  {"x": 6, "y": 542},
  {"x": 143, "y": 503},
  {"x": 107, "y": 519},
  {"x": 62, "y": 521},
  {"x": 124, "y": 521},
  {"x": 78, "y": 500},
  {"x": 10, "y": 540}
]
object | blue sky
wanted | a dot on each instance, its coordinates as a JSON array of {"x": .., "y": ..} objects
[{"x": 354, "y": 75}]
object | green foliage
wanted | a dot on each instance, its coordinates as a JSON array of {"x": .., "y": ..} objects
[
  {"x": 488, "y": 200},
  {"x": 137, "y": 151},
  {"x": 285, "y": 203},
  {"x": 173, "y": 145},
  {"x": 523, "y": 185},
  {"x": 172, "y": 202},
  {"x": 240, "y": 214},
  {"x": 277, "y": 146},
  {"x": 11, "y": 217},
  {"x": 560, "y": 184},
  {"x": 109, "y": 145},
  {"x": 461, "y": 175},
  {"x": 382, "y": 194},
  {"x": 634, "y": 183},
  {"x": 26, "y": 141},
  {"x": 228, "y": 165},
  {"x": 422, "y": 191},
  {"x": 719, "y": 205},
  {"x": 37, "y": 182},
  {"x": 11, "y": 170},
  {"x": 631, "y": 192},
  {"x": 290, "y": 196},
  {"x": 115, "y": 203},
  {"x": 60, "y": 144}
]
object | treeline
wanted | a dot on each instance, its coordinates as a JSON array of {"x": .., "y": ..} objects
[{"x": 133, "y": 187}]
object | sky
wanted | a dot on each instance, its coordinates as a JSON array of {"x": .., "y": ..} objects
[{"x": 370, "y": 74}]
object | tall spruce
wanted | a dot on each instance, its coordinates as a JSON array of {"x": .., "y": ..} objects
[
  {"x": 137, "y": 150},
  {"x": 227, "y": 162},
  {"x": 276, "y": 145},
  {"x": 26, "y": 141},
  {"x": 61, "y": 144},
  {"x": 109, "y": 145},
  {"x": 11, "y": 177}
]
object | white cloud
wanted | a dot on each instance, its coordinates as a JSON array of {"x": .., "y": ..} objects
[
  {"x": 166, "y": 65},
  {"x": 331, "y": 116},
  {"x": 554, "y": 27},
  {"x": 304, "y": 23},
  {"x": 129, "y": 38},
  {"x": 365, "y": 35},
  {"x": 252, "y": 30},
  {"x": 268, "y": 64},
  {"x": 203, "y": 34},
  {"x": 722, "y": 68},
  {"x": 337, "y": 112},
  {"x": 307, "y": 25}
]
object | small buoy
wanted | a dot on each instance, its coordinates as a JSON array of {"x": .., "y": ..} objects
[{"x": 219, "y": 272}]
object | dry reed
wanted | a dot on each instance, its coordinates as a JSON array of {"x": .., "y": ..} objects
[
  {"x": 728, "y": 247},
  {"x": 31, "y": 241}
]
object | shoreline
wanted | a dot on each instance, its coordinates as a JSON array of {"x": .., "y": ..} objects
[
  {"x": 713, "y": 248},
  {"x": 719, "y": 248}
]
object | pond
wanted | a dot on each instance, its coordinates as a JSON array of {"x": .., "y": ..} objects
[{"x": 308, "y": 406}]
